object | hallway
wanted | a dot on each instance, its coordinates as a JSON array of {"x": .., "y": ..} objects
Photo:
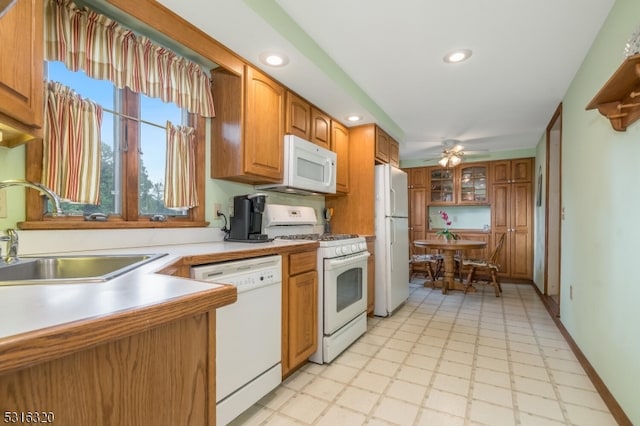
[{"x": 445, "y": 360}]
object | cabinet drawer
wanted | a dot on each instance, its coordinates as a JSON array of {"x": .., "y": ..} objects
[{"x": 302, "y": 262}]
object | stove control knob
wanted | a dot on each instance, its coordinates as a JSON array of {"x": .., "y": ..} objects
[
  {"x": 354, "y": 248},
  {"x": 363, "y": 246},
  {"x": 338, "y": 251}
]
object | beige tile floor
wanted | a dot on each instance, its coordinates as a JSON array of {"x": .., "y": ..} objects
[{"x": 445, "y": 360}]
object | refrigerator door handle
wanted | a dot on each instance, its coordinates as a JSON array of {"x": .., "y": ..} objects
[
  {"x": 392, "y": 240},
  {"x": 393, "y": 201}
]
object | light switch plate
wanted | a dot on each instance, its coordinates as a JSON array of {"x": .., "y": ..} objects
[{"x": 3, "y": 204}]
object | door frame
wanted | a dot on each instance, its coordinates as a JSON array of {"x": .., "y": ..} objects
[{"x": 554, "y": 124}]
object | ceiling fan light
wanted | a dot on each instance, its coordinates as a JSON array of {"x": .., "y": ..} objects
[
  {"x": 443, "y": 161},
  {"x": 455, "y": 160}
]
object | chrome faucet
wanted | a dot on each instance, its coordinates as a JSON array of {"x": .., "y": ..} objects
[
  {"x": 12, "y": 250},
  {"x": 55, "y": 199}
]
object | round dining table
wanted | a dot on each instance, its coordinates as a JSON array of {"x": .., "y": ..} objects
[{"x": 448, "y": 249}]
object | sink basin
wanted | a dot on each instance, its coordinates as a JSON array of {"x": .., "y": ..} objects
[{"x": 71, "y": 269}]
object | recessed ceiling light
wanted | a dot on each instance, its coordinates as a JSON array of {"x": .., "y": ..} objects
[
  {"x": 354, "y": 118},
  {"x": 457, "y": 56},
  {"x": 274, "y": 59}
]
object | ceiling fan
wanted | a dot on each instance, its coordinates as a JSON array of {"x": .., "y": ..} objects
[{"x": 452, "y": 153}]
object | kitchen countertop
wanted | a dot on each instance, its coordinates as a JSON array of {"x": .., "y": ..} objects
[{"x": 41, "y": 322}]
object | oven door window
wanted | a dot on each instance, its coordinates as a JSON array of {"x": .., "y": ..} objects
[{"x": 349, "y": 288}]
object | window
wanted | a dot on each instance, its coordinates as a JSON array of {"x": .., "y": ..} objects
[
  {"x": 133, "y": 132},
  {"x": 133, "y": 139}
]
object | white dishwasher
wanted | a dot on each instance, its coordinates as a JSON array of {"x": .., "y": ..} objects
[{"x": 248, "y": 333}]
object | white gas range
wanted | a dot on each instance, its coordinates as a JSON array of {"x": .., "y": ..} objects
[{"x": 342, "y": 277}]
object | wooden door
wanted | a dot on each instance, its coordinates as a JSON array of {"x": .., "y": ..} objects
[
  {"x": 264, "y": 126},
  {"x": 298, "y": 116},
  {"x": 320, "y": 128},
  {"x": 21, "y": 69},
  {"x": 500, "y": 223},
  {"x": 340, "y": 145},
  {"x": 521, "y": 255},
  {"x": 303, "y": 318}
]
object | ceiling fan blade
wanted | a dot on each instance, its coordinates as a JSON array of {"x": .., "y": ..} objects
[{"x": 457, "y": 148}]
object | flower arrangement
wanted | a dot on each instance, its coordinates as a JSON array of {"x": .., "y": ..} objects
[{"x": 446, "y": 233}]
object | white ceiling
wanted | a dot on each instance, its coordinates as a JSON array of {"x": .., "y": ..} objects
[{"x": 383, "y": 60}]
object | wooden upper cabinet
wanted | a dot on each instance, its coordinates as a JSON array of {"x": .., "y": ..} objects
[
  {"x": 442, "y": 186},
  {"x": 306, "y": 121},
  {"x": 320, "y": 128},
  {"x": 264, "y": 119},
  {"x": 21, "y": 72},
  {"x": 394, "y": 152},
  {"x": 247, "y": 132},
  {"x": 509, "y": 171},
  {"x": 382, "y": 146},
  {"x": 474, "y": 183},
  {"x": 340, "y": 145},
  {"x": 417, "y": 177},
  {"x": 298, "y": 116}
]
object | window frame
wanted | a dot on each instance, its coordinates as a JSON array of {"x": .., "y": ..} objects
[{"x": 130, "y": 217}]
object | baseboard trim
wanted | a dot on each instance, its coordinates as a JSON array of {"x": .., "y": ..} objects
[{"x": 616, "y": 411}]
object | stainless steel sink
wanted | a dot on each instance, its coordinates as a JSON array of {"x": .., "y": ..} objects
[{"x": 71, "y": 269}]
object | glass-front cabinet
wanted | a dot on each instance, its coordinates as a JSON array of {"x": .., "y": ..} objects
[
  {"x": 442, "y": 186},
  {"x": 473, "y": 184},
  {"x": 465, "y": 184}
]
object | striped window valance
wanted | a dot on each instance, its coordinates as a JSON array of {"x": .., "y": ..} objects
[
  {"x": 85, "y": 40},
  {"x": 71, "y": 145}
]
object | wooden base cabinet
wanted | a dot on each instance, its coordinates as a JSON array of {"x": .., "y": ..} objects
[
  {"x": 161, "y": 377},
  {"x": 299, "y": 310}
]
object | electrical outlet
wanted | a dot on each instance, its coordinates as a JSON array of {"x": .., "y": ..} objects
[
  {"x": 217, "y": 207},
  {"x": 3, "y": 204}
]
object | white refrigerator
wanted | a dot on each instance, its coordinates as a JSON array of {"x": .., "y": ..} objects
[{"x": 392, "y": 239}]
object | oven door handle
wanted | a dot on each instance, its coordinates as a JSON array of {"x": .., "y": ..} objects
[{"x": 351, "y": 258}]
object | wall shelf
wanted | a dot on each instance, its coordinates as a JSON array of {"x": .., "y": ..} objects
[{"x": 619, "y": 98}]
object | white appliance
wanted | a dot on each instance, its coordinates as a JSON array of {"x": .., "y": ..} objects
[
  {"x": 392, "y": 239},
  {"x": 308, "y": 169},
  {"x": 342, "y": 277},
  {"x": 248, "y": 333}
]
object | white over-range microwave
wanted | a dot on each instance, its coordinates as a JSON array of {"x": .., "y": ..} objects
[{"x": 308, "y": 168}]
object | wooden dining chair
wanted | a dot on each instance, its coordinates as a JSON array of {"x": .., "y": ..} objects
[
  {"x": 430, "y": 265},
  {"x": 488, "y": 266}
]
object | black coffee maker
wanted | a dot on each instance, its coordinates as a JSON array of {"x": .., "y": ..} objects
[{"x": 246, "y": 222}]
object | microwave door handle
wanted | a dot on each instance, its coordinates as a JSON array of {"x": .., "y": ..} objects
[{"x": 330, "y": 174}]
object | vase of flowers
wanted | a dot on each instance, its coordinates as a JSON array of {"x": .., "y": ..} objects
[{"x": 446, "y": 234}]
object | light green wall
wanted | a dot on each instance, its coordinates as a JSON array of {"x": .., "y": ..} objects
[
  {"x": 601, "y": 230},
  {"x": 12, "y": 167}
]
